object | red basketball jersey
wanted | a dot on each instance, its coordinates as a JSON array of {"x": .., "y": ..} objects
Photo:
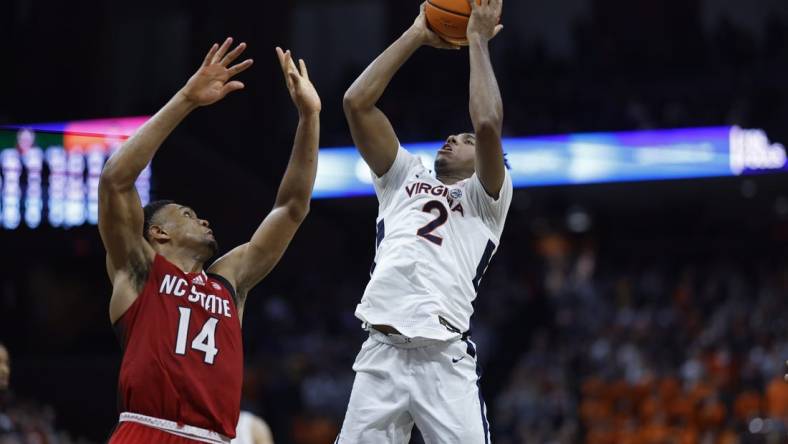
[{"x": 182, "y": 350}]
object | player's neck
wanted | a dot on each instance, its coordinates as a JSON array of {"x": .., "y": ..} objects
[
  {"x": 185, "y": 259},
  {"x": 449, "y": 179}
]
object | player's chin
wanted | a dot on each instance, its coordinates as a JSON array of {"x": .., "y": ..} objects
[
  {"x": 442, "y": 164},
  {"x": 213, "y": 245}
]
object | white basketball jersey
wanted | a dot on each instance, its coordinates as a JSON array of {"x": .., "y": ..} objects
[
  {"x": 434, "y": 243},
  {"x": 243, "y": 431}
]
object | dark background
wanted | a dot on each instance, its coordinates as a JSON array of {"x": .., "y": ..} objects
[{"x": 563, "y": 66}]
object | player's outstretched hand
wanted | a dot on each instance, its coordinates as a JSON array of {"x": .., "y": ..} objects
[
  {"x": 485, "y": 18},
  {"x": 301, "y": 89},
  {"x": 428, "y": 37},
  {"x": 211, "y": 82}
]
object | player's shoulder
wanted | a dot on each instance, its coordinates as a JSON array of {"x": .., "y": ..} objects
[
  {"x": 475, "y": 183},
  {"x": 217, "y": 282},
  {"x": 408, "y": 157}
]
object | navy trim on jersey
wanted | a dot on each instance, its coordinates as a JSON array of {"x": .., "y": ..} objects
[
  {"x": 227, "y": 285},
  {"x": 485, "y": 424}
]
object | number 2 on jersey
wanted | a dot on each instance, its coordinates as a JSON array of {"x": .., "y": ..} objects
[
  {"x": 205, "y": 341},
  {"x": 443, "y": 216}
]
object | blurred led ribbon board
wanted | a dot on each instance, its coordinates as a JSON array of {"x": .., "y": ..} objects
[
  {"x": 590, "y": 158},
  {"x": 49, "y": 172}
]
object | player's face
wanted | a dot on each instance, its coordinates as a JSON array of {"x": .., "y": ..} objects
[
  {"x": 5, "y": 368},
  {"x": 184, "y": 228},
  {"x": 457, "y": 156}
]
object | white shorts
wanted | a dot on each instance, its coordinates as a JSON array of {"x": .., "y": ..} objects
[{"x": 399, "y": 382}]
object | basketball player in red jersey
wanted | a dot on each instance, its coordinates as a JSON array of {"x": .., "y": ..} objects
[{"x": 180, "y": 326}]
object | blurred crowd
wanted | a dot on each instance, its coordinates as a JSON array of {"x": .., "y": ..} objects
[
  {"x": 651, "y": 353},
  {"x": 24, "y": 421}
]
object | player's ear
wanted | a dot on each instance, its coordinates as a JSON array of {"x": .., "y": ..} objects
[{"x": 157, "y": 233}]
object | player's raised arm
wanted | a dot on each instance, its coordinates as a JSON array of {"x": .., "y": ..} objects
[
  {"x": 120, "y": 211},
  {"x": 485, "y": 103},
  {"x": 372, "y": 132},
  {"x": 249, "y": 263}
]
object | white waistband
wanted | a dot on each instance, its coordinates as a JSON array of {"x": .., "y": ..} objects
[{"x": 185, "y": 431}]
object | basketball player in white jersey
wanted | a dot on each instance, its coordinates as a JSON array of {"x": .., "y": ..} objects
[
  {"x": 436, "y": 234},
  {"x": 251, "y": 429}
]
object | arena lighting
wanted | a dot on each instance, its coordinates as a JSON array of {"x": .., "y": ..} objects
[
  {"x": 590, "y": 158},
  {"x": 57, "y": 183}
]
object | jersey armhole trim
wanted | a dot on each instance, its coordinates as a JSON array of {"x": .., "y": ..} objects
[{"x": 227, "y": 285}]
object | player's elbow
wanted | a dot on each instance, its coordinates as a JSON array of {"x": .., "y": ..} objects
[
  {"x": 489, "y": 126},
  {"x": 298, "y": 211},
  {"x": 113, "y": 178},
  {"x": 353, "y": 102}
]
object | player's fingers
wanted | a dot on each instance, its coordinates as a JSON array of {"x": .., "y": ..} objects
[
  {"x": 240, "y": 67},
  {"x": 472, "y": 4},
  {"x": 291, "y": 66},
  {"x": 304, "y": 71},
  {"x": 288, "y": 80},
  {"x": 287, "y": 61},
  {"x": 295, "y": 79},
  {"x": 285, "y": 67},
  {"x": 232, "y": 55},
  {"x": 446, "y": 45},
  {"x": 209, "y": 56},
  {"x": 235, "y": 85},
  {"x": 222, "y": 50},
  {"x": 440, "y": 43},
  {"x": 281, "y": 56}
]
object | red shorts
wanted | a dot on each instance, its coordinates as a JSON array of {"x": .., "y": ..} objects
[{"x": 134, "y": 433}]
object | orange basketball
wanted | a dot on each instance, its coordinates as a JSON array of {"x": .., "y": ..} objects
[{"x": 449, "y": 19}]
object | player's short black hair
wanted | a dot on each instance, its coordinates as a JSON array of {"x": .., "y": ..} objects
[{"x": 150, "y": 211}]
